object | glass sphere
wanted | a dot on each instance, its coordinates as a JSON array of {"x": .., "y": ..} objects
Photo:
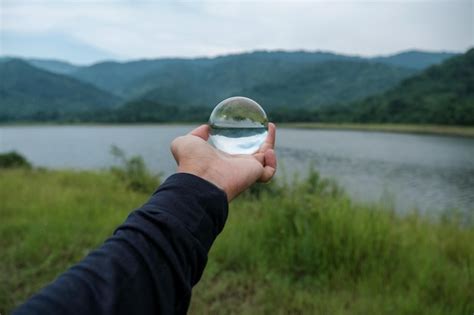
[{"x": 238, "y": 126}]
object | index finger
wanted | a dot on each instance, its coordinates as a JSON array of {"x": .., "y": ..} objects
[{"x": 270, "y": 140}]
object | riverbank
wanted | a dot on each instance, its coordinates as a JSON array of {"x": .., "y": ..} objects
[
  {"x": 301, "y": 249},
  {"x": 463, "y": 131}
]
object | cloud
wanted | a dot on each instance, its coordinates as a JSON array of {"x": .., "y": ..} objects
[{"x": 147, "y": 29}]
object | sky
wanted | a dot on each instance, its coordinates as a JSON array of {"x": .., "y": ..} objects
[{"x": 89, "y": 31}]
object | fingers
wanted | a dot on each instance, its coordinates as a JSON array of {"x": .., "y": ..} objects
[
  {"x": 270, "y": 140},
  {"x": 269, "y": 167},
  {"x": 201, "y": 132},
  {"x": 260, "y": 157},
  {"x": 266, "y": 155},
  {"x": 270, "y": 158}
]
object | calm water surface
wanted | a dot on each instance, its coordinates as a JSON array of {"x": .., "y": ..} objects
[{"x": 431, "y": 173}]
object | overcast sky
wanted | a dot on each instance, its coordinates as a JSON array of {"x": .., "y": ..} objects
[{"x": 88, "y": 31}]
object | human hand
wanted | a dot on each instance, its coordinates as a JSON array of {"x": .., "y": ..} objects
[{"x": 232, "y": 173}]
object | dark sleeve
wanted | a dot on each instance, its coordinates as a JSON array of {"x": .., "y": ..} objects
[{"x": 150, "y": 263}]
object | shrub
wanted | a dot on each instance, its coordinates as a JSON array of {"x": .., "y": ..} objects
[
  {"x": 13, "y": 160},
  {"x": 134, "y": 172}
]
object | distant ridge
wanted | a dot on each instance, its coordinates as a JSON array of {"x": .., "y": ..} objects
[
  {"x": 134, "y": 78},
  {"x": 285, "y": 82},
  {"x": 273, "y": 83},
  {"x": 29, "y": 93},
  {"x": 415, "y": 59},
  {"x": 56, "y": 66},
  {"x": 441, "y": 94}
]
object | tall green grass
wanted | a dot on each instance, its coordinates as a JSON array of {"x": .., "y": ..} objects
[{"x": 300, "y": 249}]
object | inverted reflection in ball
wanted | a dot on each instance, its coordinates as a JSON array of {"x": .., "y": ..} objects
[{"x": 238, "y": 126}]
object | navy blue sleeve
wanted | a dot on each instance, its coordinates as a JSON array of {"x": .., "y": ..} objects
[{"x": 150, "y": 263}]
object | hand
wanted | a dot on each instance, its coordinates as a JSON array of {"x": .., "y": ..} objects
[{"x": 232, "y": 173}]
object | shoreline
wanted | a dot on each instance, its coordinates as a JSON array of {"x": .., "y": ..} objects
[{"x": 439, "y": 130}]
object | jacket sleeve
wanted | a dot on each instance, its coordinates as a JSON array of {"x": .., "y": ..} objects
[{"x": 150, "y": 263}]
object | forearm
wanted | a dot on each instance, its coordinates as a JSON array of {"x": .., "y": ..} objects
[{"x": 151, "y": 262}]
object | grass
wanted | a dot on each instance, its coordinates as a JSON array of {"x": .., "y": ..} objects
[
  {"x": 464, "y": 131},
  {"x": 284, "y": 250}
]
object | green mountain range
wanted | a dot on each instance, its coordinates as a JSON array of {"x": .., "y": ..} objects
[
  {"x": 414, "y": 59},
  {"x": 442, "y": 94},
  {"x": 29, "y": 93},
  {"x": 327, "y": 77},
  {"x": 272, "y": 83},
  {"x": 56, "y": 66},
  {"x": 292, "y": 86}
]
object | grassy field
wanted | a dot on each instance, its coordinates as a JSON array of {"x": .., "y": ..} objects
[
  {"x": 306, "y": 249},
  {"x": 464, "y": 131}
]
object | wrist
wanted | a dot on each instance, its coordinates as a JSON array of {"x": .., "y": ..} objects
[{"x": 207, "y": 174}]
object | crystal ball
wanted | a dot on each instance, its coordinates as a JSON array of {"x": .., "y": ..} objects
[{"x": 239, "y": 125}]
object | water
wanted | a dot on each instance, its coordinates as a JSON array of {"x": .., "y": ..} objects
[
  {"x": 238, "y": 140},
  {"x": 431, "y": 173}
]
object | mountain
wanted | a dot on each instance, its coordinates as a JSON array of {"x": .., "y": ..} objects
[
  {"x": 290, "y": 85},
  {"x": 442, "y": 94},
  {"x": 414, "y": 59},
  {"x": 129, "y": 79},
  {"x": 272, "y": 83},
  {"x": 135, "y": 78},
  {"x": 56, "y": 66},
  {"x": 116, "y": 77},
  {"x": 29, "y": 93}
]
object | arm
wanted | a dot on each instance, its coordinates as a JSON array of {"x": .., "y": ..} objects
[{"x": 152, "y": 261}]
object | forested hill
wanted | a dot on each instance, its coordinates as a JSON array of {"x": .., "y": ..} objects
[
  {"x": 55, "y": 66},
  {"x": 328, "y": 78},
  {"x": 136, "y": 77},
  {"x": 271, "y": 83},
  {"x": 29, "y": 93},
  {"x": 291, "y": 86},
  {"x": 414, "y": 59},
  {"x": 442, "y": 94},
  {"x": 277, "y": 78},
  {"x": 127, "y": 78}
]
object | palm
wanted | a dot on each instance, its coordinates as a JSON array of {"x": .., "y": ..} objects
[{"x": 233, "y": 173}]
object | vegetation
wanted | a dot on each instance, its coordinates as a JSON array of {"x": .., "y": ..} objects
[
  {"x": 305, "y": 248},
  {"x": 13, "y": 160},
  {"x": 415, "y": 59},
  {"x": 442, "y": 94},
  {"x": 55, "y": 66},
  {"x": 70, "y": 93},
  {"x": 29, "y": 93},
  {"x": 137, "y": 77},
  {"x": 146, "y": 111},
  {"x": 133, "y": 171},
  {"x": 270, "y": 82},
  {"x": 293, "y": 87}
]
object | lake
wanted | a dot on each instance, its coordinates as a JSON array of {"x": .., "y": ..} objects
[{"x": 430, "y": 173}]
